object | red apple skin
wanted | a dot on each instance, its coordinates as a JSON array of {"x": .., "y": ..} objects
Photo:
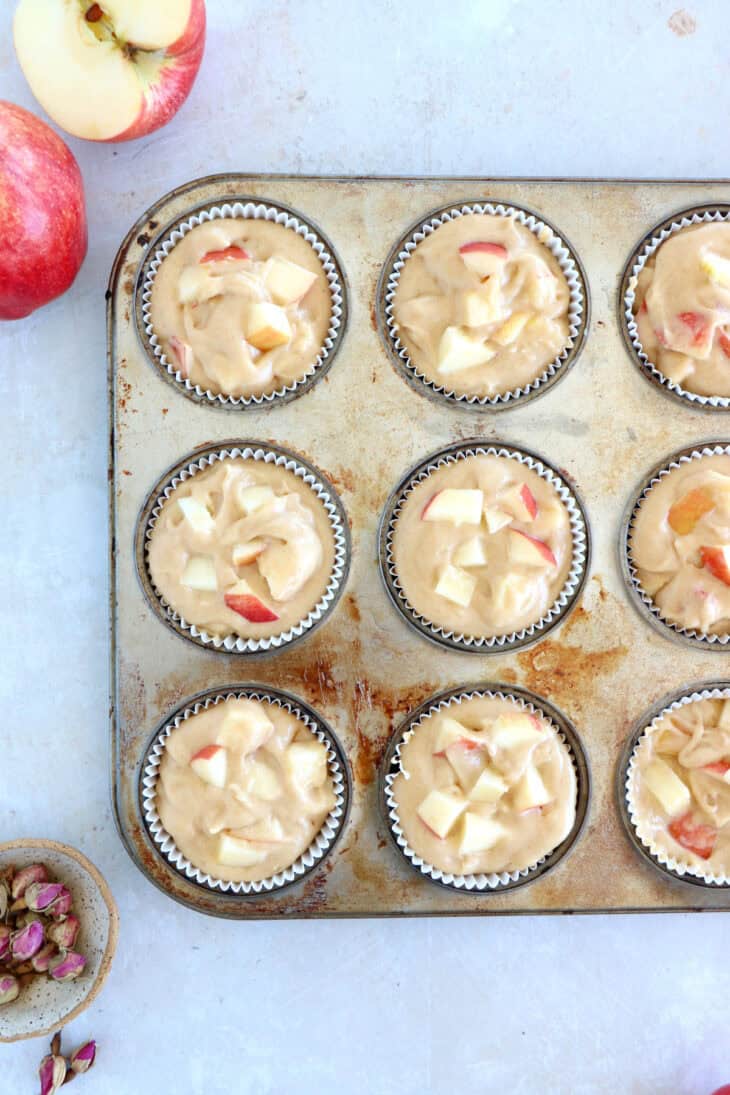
[
  {"x": 250, "y": 607},
  {"x": 44, "y": 236},
  {"x": 482, "y": 245},
  {"x": 174, "y": 80}
]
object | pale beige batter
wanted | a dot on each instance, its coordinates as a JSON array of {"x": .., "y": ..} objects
[
  {"x": 270, "y": 795},
  {"x": 217, "y": 313},
  {"x": 240, "y": 543},
  {"x": 678, "y": 545},
  {"x": 482, "y": 323},
  {"x": 682, "y": 785},
  {"x": 439, "y": 560},
  {"x": 501, "y": 766},
  {"x": 682, "y": 308}
]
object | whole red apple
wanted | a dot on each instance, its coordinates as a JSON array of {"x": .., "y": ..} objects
[
  {"x": 112, "y": 70},
  {"x": 43, "y": 237}
]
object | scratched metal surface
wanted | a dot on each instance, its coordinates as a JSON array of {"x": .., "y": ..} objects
[{"x": 363, "y": 426}]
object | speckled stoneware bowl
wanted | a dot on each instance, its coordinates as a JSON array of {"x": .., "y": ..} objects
[{"x": 45, "y": 1006}]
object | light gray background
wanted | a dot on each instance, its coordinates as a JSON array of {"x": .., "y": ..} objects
[{"x": 200, "y": 1007}]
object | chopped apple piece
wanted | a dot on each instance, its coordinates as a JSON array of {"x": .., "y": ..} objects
[
  {"x": 520, "y": 501},
  {"x": 199, "y": 573},
  {"x": 531, "y": 792},
  {"x": 479, "y": 834},
  {"x": 668, "y": 789},
  {"x": 510, "y": 331},
  {"x": 252, "y": 498},
  {"x": 456, "y": 585},
  {"x": 717, "y": 268},
  {"x": 235, "y": 852},
  {"x": 694, "y": 836},
  {"x": 451, "y": 731},
  {"x": 724, "y": 341},
  {"x": 287, "y": 281},
  {"x": 471, "y": 553},
  {"x": 514, "y": 730},
  {"x": 306, "y": 762},
  {"x": 527, "y": 549},
  {"x": 484, "y": 258},
  {"x": 717, "y": 561},
  {"x": 478, "y": 308},
  {"x": 458, "y": 351},
  {"x": 241, "y": 598},
  {"x": 719, "y": 768},
  {"x": 211, "y": 765},
  {"x": 243, "y": 554},
  {"x": 245, "y": 727},
  {"x": 184, "y": 354},
  {"x": 193, "y": 286},
  {"x": 262, "y": 781},
  {"x": 489, "y": 787},
  {"x": 267, "y": 326},
  {"x": 686, "y": 512},
  {"x": 439, "y": 811},
  {"x": 467, "y": 760},
  {"x": 226, "y": 254},
  {"x": 196, "y": 515},
  {"x": 268, "y": 830},
  {"x": 496, "y": 518},
  {"x": 459, "y": 507},
  {"x": 510, "y": 593}
]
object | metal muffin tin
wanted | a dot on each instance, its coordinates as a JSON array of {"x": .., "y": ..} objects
[{"x": 364, "y": 669}]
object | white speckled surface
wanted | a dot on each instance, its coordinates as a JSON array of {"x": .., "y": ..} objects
[{"x": 574, "y": 1006}]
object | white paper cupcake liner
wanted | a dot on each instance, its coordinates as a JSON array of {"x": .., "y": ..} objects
[
  {"x": 479, "y": 644},
  {"x": 504, "y": 880},
  {"x": 641, "y": 600},
  {"x": 578, "y": 310},
  {"x": 269, "y": 454},
  {"x": 248, "y": 210},
  {"x": 323, "y": 842},
  {"x": 629, "y": 781},
  {"x": 636, "y": 263}
]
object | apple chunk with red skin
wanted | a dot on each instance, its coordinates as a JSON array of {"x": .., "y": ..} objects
[
  {"x": 241, "y": 598},
  {"x": 458, "y": 507},
  {"x": 483, "y": 257},
  {"x": 717, "y": 561},
  {"x": 520, "y": 501},
  {"x": 211, "y": 764},
  {"x": 686, "y": 511},
  {"x": 43, "y": 239},
  {"x": 114, "y": 70},
  {"x": 530, "y": 550},
  {"x": 226, "y": 254}
]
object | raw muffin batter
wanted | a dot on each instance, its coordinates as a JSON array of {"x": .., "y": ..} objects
[
  {"x": 483, "y": 546},
  {"x": 682, "y": 308},
  {"x": 485, "y": 787},
  {"x": 680, "y": 545},
  {"x": 244, "y": 787},
  {"x": 242, "y": 548},
  {"x": 682, "y": 784},
  {"x": 482, "y": 305},
  {"x": 241, "y": 307}
]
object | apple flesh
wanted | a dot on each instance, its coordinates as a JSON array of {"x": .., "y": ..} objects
[
  {"x": 672, "y": 794},
  {"x": 521, "y": 502},
  {"x": 287, "y": 281},
  {"x": 211, "y": 765},
  {"x": 183, "y": 353},
  {"x": 252, "y": 498},
  {"x": 226, "y": 254},
  {"x": 245, "y": 728},
  {"x": 479, "y": 308},
  {"x": 489, "y": 787},
  {"x": 451, "y": 731},
  {"x": 456, "y": 585},
  {"x": 241, "y": 598},
  {"x": 306, "y": 763},
  {"x": 694, "y": 836},
  {"x": 717, "y": 561},
  {"x": 471, "y": 553},
  {"x": 200, "y": 574},
  {"x": 529, "y": 550},
  {"x": 262, "y": 781},
  {"x": 479, "y": 834},
  {"x": 686, "y": 512},
  {"x": 243, "y": 555},
  {"x": 467, "y": 761},
  {"x": 439, "y": 811},
  {"x": 530, "y": 792},
  {"x": 43, "y": 239},
  {"x": 516, "y": 730},
  {"x": 496, "y": 518},
  {"x": 267, "y": 326},
  {"x": 196, "y": 515},
  {"x": 458, "y": 507},
  {"x": 458, "y": 350},
  {"x": 113, "y": 77},
  {"x": 484, "y": 258},
  {"x": 235, "y": 852},
  {"x": 510, "y": 331}
]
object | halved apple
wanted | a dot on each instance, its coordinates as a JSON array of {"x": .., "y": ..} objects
[
  {"x": 489, "y": 787},
  {"x": 211, "y": 764},
  {"x": 684, "y": 514},
  {"x": 496, "y": 518},
  {"x": 471, "y": 553},
  {"x": 306, "y": 763},
  {"x": 458, "y": 507},
  {"x": 439, "y": 811},
  {"x": 199, "y": 573},
  {"x": 511, "y": 330},
  {"x": 458, "y": 351},
  {"x": 529, "y": 550},
  {"x": 244, "y": 554},
  {"x": 479, "y": 834},
  {"x": 717, "y": 561},
  {"x": 267, "y": 326},
  {"x": 483, "y": 257},
  {"x": 197, "y": 515},
  {"x": 287, "y": 281},
  {"x": 234, "y": 851},
  {"x": 530, "y": 792},
  {"x": 672, "y": 793},
  {"x": 520, "y": 501},
  {"x": 456, "y": 585}
]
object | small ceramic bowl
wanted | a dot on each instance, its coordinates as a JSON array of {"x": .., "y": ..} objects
[{"x": 45, "y": 1006}]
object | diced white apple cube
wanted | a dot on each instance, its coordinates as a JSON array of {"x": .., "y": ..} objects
[
  {"x": 520, "y": 501},
  {"x": 515, "y": 730},
  {"x": 252, "y": 498},
  {"x": 530, "y": 551},
  {"x": 450, "y": 731},
  {"x": 531, "y": 792},
  {"x": 456, "y": 585},
  {"x": 467, "y": 761},
  {"x": 510, "y": 331},
  {"x": 306, "y": 763},
  {"x": 458, "y": 350},
  {"x": 267, "y": 326},
  {"x": 439, "y": 811},
  {"x": 496, "y": 518},
  {"x": 671, "y": 792},
  {"x": 479, "y": 308},
  {"x": 509, "y": 594},
  {"x": 717, "y": 268},
  {"x": 199, "y": 573},
  {"x": 458, "y": 507},
  {"x": 489, "y": 787},
  {"x": 479, "y": 834},
  {"x": 245, "y": 727},
  {"x": 236, "y": 852},
  {"x": 211, "y": 764},
  {"x": 268, "y": 830},
  {"x": 262, "y": 781},
  {"x": 243, "y": 554},
  {"x": 193, "y": 284},
  {"x": 287, "y": 281},
  {"x": 471, "y": 553},
  {"x": 197, "y": 515}
]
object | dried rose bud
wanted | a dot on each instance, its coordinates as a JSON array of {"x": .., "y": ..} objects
[
  {"x": 18, "y": 906},
  {"x": 4, "y": 941},
  {"x": 41, "y": 961},
  {"x": 61, "y": 906},
  {"x": 9, "y": 988},
  {"x": 41, "y": 896},
  {"x": 83, "y": 1058},
  {"x": 27, "y": 941},
  {"x": 63, "y": 932},
  {"x": 52, "y": 1074},
  {"x": 67, "y": 966},
  {"x": 36, "y": 872}
]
